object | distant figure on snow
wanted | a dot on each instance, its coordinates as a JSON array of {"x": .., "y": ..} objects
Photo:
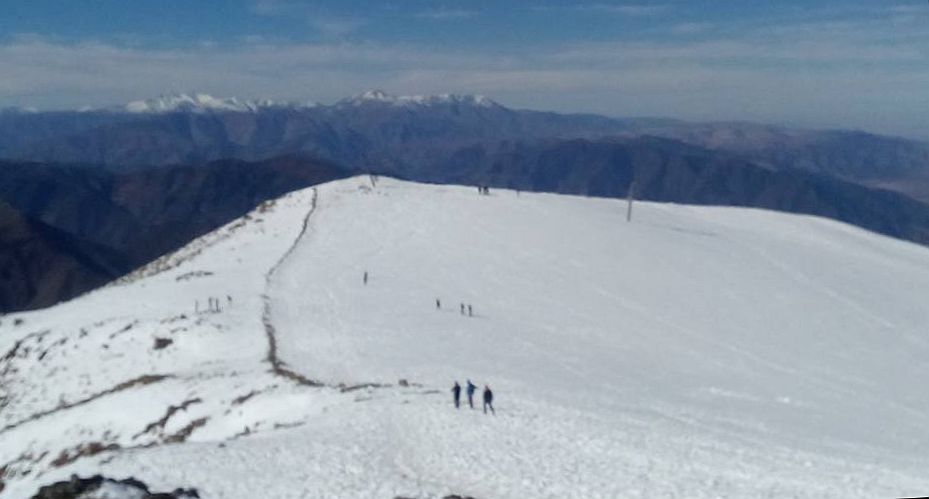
[
  {"x": 470, "y": 314},
  {"x": 438, "y": 304},
  {"x": 470, "y": 389},
  {"x": 366, "y": 278},
  {"x": 462, "y": 309},
  {"x": 488, "y": 400},
  {"x": 456, "y": 394}
]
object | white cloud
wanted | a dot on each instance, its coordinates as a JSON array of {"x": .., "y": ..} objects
[
  {"x": 441, "y": 14},
  {"x": 910, "y": 9},
  {"x": 624, "y": 9},
  {"x": 270, "y": 7},
  {"x": 690, "y": 28},
  {"x": 628, "y": 9},
  {"x": 335, "y": 27}
]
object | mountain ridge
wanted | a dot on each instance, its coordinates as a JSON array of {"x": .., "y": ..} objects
[{"x": 721, "y": 332}]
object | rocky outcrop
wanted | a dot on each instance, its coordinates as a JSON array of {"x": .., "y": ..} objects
[{"x": 97, "y": 486}]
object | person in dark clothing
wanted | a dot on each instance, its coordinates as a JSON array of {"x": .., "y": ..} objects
[
  {"x": 470, "y": 389},
  {"x": 366, "y": 277},
  {"x": 469, "y": 311},
  {"x": 438, "y": 304},
  {"x": 462, "y": 309},
  {"x": 456, "y": 393},
  {"x": 488, "y": 400}
]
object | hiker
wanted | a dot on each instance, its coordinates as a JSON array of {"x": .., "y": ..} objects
[
  {"x": 456, "y": 393},
  {"x": 488, "y": 400},
  {"x": 470, "y": 390},
  {"x": 438, "y": 304},
  {"x": 462, "y": 309},
  {"x": 469, "y": 311},
  {"x": 366, "y": 278}
]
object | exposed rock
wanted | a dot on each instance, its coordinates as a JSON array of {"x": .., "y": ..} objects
[
  {"x": 162, "y": 343},
  {"x": 172, "y": 410},
  {"x": 185, "y": 432},
  {"x": 98, "y": 486},
  {"x": 82, "y": 450}
]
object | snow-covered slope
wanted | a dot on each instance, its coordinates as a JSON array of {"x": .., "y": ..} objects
[{"x": 695, "y": 352}]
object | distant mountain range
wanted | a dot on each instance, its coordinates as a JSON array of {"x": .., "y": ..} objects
[
  {"x": 413, "y": 135},
  {"x": 139, "y": 180}
]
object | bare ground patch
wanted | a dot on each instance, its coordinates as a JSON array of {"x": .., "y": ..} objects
[{"x": 172, "y": 410}]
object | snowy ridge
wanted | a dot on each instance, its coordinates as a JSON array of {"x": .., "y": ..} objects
[
  {"x": 695, "y": 352},
  {"x": 381, "y": 97},
  {"x": 200, "y": 102}
]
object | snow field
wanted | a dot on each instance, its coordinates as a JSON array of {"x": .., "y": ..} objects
[{"x": 696, "y": 352}]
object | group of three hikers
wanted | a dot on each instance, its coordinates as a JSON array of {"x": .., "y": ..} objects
[{"x": 488, "y": 396}]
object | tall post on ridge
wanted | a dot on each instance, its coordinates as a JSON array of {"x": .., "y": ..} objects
[{"x": 629, "y": 197}]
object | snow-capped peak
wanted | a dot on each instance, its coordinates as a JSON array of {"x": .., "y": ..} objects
[
  {"x": 200, "y": 102},
  {"x": 379, "y": 96}
]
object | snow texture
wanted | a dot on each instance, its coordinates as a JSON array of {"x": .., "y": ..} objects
[{"x": 694, "y": 352}]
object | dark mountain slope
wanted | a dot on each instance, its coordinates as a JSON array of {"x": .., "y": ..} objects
[
  {"x": 40, "y": 264},
  {"x": 121, "y": 221}
]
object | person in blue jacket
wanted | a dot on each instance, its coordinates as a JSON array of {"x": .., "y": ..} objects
[{"x": 470, "y": 389}]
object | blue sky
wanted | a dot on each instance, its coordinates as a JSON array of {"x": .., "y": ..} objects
[{"x": 853, "y": 64}]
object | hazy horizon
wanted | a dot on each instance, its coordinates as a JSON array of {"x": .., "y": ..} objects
[{"x": 853, "y": 65}]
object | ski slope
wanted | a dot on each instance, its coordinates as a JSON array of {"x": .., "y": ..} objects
[{"x": 694, "y": 352}]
